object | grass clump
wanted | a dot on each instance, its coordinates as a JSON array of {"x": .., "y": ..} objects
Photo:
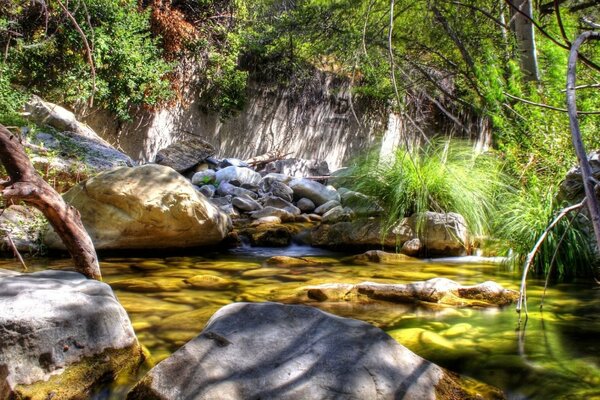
[
  {"x": 442, "y": 176},
  {"x": 522, "y": 219}
]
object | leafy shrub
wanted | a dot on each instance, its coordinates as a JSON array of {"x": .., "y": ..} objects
[{"x": 442, "y": 176}]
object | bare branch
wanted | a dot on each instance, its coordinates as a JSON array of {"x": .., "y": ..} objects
[{"x": 542, "y": 105}]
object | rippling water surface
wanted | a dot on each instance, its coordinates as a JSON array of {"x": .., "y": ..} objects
[{"x": 557, "y": 356}]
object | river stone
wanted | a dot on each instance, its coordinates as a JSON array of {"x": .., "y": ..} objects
[
  {"x": 208, "y": 191},
  {"x": 185, "y": 154},
  {"x": 149, "y": 206},
  {"x": 276, "y": 351},
  {"x": 227, "y": 189},
  {"x": 323, "y": 208},
  {"x": 269, "y": 211},
  {"x": 204, "y": 177},
  {"x": 61, "y": 334},
  {"x": 337, "y": 214},
  {"x": 246, "y": 204},
  {"x": 436, "y": 290},
  {"x": 380, "y": 256},
  {"x": 305, "y": 205},
  {"x": 318, "y": 193},
  {"x": 240, "y": 174},
  {"x": 278, "y": 202}
]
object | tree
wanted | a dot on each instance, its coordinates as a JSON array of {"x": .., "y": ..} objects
[
  {"x": 521, "y": 12},
  {"x": 26, "y": 185}
]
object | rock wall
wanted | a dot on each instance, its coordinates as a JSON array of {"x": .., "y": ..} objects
[{"x": 315, "y": 121}]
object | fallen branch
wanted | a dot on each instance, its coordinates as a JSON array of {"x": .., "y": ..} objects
[
  {"x": 522, "y": 302},
  {"x": 16, "y": 251},
  {"x": 27, "y": 186}
]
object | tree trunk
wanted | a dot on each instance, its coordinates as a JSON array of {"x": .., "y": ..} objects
[
  {"x": 27, "y": 186},
  {"x": 586, "y": 169},
  {"x": 521, "y": 12}
]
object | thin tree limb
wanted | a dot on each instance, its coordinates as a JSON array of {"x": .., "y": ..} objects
[
  {"x": 549, "y": 107},
  {"x": 522, "y": 302},
  {"x": 586, "y": 170},
  {"x": 27, "y": 186}
]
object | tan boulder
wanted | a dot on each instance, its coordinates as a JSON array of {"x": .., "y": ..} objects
[{"x": 149, "y": 206}]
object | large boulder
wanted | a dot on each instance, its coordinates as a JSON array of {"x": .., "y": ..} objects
[
  {"x": 276, "y": 351},
  {"x": 315, "y": 191},
  {"x": 438, "y": 234},
  {"x": 183, "y": 155},
  {"x": 149, "y": 206},
  {"x": 60, "y": 335}
]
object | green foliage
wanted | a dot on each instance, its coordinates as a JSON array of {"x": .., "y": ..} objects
[
  {"x": 52, "y": 61},
  {"x": 442, "y": 176},
  {"x": 524, "y": 216},
  {"x": 11, "y": 100}
]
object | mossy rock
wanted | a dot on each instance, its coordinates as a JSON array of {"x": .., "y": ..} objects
[{"x": 78, "y": 380}]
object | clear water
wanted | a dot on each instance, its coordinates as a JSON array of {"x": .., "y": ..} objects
[{"x": 557, "y": 356}]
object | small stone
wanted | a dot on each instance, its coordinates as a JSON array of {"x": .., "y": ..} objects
[
  {"x": 225, "y": 188},
  {"x": 305, "y": 205},
  {"x": 412, "y": 247},
  {"x": 278, "y": 202},
  {"x": 207, "y": 190},
  {"x": 337, "y": 214},
  {"x": 270, "y": 220},
  {"x": 246, "y": 204},
  {"x": 269, "y": 211}
]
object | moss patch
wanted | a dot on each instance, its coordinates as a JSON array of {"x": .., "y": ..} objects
[
  {"x": 454, "y": 387},
  {"x": 79, "y": 379}
]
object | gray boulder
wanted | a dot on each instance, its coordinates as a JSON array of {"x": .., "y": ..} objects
[
  {"x": 240, "y": 174},
  {"x": 337, "y": 214},
  {"x": 278, "y": 202},
  {"x": 203, "y": 177},
  {"x": 323, "y": 208},
  {"x": 318, "y": 193},
  {"x": 246, "y": 204},
  {"x": 269, "y": 211},
  {"x": 360, "y": 203},
  {"x": 276, "y": 351},
  {"x": 227, "y": 189},
  {"x": 183, "y": 155},
  {"x": 61, "y": 334}
]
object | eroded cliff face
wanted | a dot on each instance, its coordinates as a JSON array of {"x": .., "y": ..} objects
[{"x": 317, "y": 121}]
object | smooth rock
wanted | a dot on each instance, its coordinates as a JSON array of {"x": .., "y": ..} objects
[
  {"x": 208, "y": 191},
  {"x": 204, "y": 177},
  {"x": 183, "y": 155},
  {"x": 61, "y": 334},
  {"x": 270, "y": 220},
  {"x": 241, "y": 174},
  {"x": 209, "y": 282},
  {"x": 149, "y": 206},
  {"x": 337, "y": 214},
  {"x": 318, "y": 193},
  {"x": 227, "y": 189},
  {"x": 281, "y": 190},
  {"x": 278, "y": 202},
  {"x": 380, "y": 256},
  {"x": 246, "y": 204},
  {"x": 323, "y": 208},
  {"x": 306, "y": 205},
  {"x": 284, "y": 215},
  {"x": 285, "y": 260},
  {"x": 412, "y": 247},
  {"x": 276, "y": 351}
]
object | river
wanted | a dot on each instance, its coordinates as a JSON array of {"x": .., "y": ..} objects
[{"x": 556, "y": 356}]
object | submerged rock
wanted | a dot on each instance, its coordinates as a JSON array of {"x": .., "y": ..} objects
[
  {"x": 60, "y": 335},
  {"x": 150, "y": 206},
  {"x": 438, "y": 290},
  {"x": 379, "y": 256},
  {"x": 276, "y": 351}
]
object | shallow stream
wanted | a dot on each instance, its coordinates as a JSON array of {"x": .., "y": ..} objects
[{"x": 557, "y": 356}]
